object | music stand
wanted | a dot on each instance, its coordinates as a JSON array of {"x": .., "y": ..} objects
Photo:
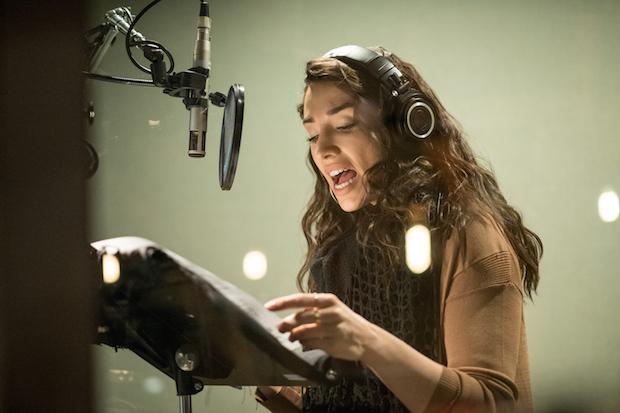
[{"x": 195, "y": 327}]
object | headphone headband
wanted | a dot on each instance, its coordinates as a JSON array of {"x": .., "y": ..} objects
[{"x": 373, "y": 63}]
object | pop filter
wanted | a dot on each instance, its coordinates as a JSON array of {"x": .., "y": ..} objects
[{"x": 230, "y": 141}]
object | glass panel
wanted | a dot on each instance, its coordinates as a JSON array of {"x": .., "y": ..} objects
[{"x": 534, "y": 85}]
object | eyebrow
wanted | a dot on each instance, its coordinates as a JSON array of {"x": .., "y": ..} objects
[{"x": 331, "y": 111}]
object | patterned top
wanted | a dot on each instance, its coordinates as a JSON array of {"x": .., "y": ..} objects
[{"x": 403, "y": 303}]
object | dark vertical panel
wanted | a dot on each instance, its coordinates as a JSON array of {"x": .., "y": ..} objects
[{"x": 45, "y": 291}]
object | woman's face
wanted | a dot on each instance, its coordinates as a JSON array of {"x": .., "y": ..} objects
[{"x": 342, "y": 149}]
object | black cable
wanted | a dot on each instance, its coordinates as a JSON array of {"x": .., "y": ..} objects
[
  {"x": 160, "y": 46},
  {"x": 116, "y": 79},
  {"x": 128, "y": 44}
]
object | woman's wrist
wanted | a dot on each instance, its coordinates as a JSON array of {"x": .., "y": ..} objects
[{"x": 371, "y": 344}]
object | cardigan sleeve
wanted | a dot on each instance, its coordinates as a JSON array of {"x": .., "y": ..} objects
[{"x": 483, "y": 317}]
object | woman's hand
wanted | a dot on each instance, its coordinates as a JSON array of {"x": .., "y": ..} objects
[
  {"x": 324, "y": 322},
  {"x": 267, "y": 392}
]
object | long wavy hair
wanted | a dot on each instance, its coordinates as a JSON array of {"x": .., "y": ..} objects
[{"x": 437, "y": 181}]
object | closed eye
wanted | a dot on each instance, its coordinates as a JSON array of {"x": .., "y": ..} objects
[{"x": 346, "y": 127}]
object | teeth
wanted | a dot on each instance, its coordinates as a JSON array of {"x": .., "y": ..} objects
[
  {"x": 336, "y": 172},
  {"x": 342, "y": 185}
]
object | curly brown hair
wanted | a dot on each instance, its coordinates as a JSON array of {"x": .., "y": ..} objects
[{"x": 438, "y": 177}]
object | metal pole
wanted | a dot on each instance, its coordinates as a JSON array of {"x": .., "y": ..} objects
[{"x": 185, "y": 404}]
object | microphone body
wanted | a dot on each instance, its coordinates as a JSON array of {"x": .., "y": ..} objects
[{"x": 198, "y": 109}]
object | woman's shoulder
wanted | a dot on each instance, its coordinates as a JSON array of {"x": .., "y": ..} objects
[
  {"x": 477, "y": 256},
  {"x": 479, "y": 239}
]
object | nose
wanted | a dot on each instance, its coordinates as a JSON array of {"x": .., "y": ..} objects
[{"x": 326, "y": 145}]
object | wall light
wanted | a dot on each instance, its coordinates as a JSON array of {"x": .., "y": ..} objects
[
  {"x": 418, "y": 248},
  {"x": 608, "y": 206},
  {"x": 111, "y": 266},
  {"x": 255, "y": 265}
]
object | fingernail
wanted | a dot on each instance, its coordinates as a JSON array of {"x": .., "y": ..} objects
[{"x": 270, "y": 303}]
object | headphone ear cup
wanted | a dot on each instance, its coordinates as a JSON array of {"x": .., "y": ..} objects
[{"x": 416, "y": 118}]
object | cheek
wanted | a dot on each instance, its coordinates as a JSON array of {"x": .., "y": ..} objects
[
  {"x": 315, "y": 159},
  {"x": 312, "y": 151},
  {"x": 377, "y": 152},
  {"x": 314, "y": 156},
  {"x": 371, "y": 154}
]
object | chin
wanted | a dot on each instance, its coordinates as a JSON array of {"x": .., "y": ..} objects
[{"x": 349, "y": 205}]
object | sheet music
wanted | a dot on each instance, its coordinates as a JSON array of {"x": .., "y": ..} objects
[{"x": 247, "y": 303}]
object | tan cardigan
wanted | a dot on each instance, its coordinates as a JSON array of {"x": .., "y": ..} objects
[{"x": 483, "y": 327}]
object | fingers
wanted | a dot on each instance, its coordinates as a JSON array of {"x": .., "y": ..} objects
[
  {"x": 316, "y": 343},
  {"x": 316, "y": 326},
  {"x": 308, "y": 316},
  {"x": 269, "y": 391},
  {"x": 309, "y": 332},
  {"x": 301, "y": 301}
]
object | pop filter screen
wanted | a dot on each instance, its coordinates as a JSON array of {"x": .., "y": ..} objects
[{"x": 231, "y": 135}]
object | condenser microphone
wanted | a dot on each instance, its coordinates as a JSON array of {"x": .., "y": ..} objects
[{"x": 198, "y": 109}]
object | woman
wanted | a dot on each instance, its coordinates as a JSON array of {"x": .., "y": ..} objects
[{"x": 451, "y": 339}]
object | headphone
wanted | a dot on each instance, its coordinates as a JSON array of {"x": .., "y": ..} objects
[{"x": 412, "y": 113}]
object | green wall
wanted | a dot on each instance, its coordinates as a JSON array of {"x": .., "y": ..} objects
[{"x": 534, "y": 83}]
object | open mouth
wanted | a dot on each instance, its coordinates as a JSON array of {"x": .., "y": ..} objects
[{"x": 343, "y": 177}]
